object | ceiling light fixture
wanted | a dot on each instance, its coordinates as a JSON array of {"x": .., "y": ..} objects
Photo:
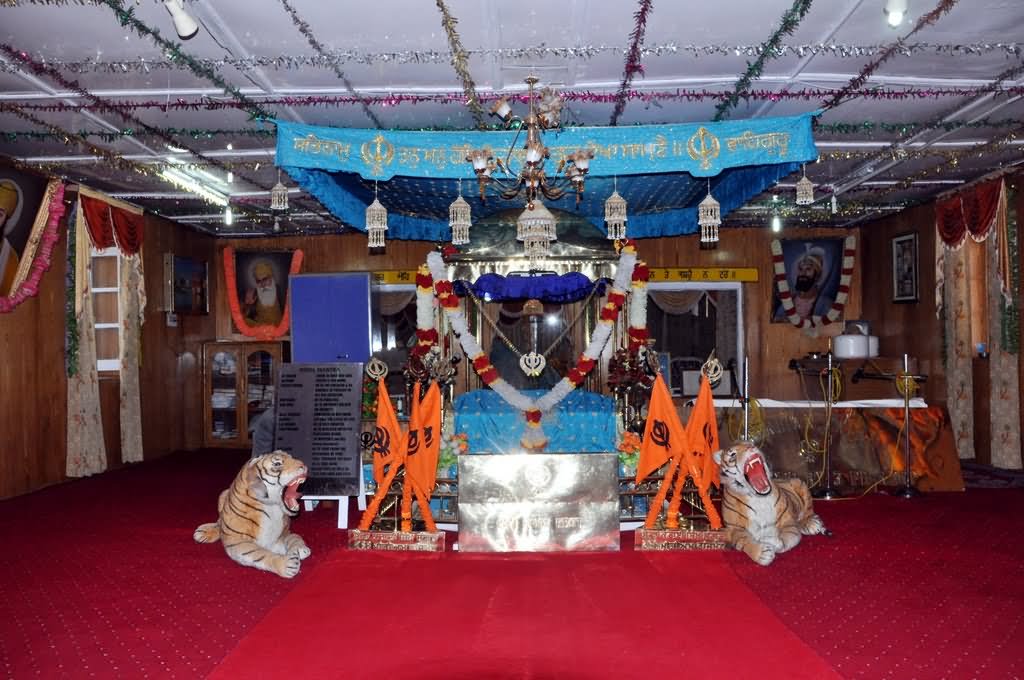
[
  {"x": 229, "y": 216},
  {"x": 459, "y": 219},
  {"x": 192, "y": 184},
  {"x": 531, "y": 179},
  {"x": 615, "y": 213},
  {"x": 279, "y": 194},
  {"x": 894, "y": 12},
  {"x": 184, "y": 24},
  {"x": 776, "y": 223},
  {"x": 376, "y": 221},
  {"x": 804, "y": 190},
  {"x": 536, "y": 229},
  {"x": 709, "y": 217}
]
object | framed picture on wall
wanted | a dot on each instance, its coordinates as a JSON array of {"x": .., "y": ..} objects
[
  {"x": 813, "y": 271},
  {"x": 261, "y": 284},
  {"x": 904, "y": 268},
  {"x": 189, "y": 285}
]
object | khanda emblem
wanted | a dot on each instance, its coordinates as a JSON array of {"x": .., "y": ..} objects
[
  {"x": 382, "y": 443},
  {"x": 660, "y": 434},
  {"x": 412, "y": 446},
  {"x": 428, "y": 436},
  {"x": 377, "y": 153},
  {"x": 703, "y": 146}
]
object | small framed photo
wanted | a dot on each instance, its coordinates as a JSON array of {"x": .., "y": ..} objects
[
  {"x": 187, "y": 282},
  {"x": 904, "y": 268}
]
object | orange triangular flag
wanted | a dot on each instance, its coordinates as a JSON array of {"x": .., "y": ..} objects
[
  {"x": 388, "y": 440},
  {"x": 663, "y": 434},
  {"x": 702, "y": 438},
  {"x": 425, "y": 446}
]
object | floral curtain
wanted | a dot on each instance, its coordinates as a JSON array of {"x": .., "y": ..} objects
[
  {"x": 980, "y": 212},
  {"x": 86, "y": 449},
  {"x": 132, "y": 303},
  {"x": 1004, "y": 399}
]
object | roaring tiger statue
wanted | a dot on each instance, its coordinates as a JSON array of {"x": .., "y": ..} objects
[
  {"x": 762, "y": 516},
  {"x": 255, "y": 512}
]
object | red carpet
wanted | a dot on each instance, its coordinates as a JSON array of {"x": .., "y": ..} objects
[
  {"x": 927, "y": 588},
  {"x": 612, "y": 615},
  {"x": 100, "y": 578}
]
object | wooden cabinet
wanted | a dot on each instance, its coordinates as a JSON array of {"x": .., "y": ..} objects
[{"x": 239, "y": 379}]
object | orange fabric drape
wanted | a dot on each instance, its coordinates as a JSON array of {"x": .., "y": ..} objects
[
  {"x": 663, "y": 433},
  {"x": 422, "y": 465},
  {"x": 702, "y": 442},
  {"x": 388, "y": 440}
]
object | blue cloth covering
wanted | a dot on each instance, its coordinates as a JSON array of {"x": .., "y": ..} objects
[
  {"x": 661, "y": 170},
  {"x": 700, "y": 149},
  {"x": 569, "y": 287},
  {"x": 584, "y": 422}
]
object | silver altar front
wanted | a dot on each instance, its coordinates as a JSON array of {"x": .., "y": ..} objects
[{"x": 538, "y": 502}]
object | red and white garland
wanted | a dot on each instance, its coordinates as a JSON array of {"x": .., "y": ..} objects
[
  {"x": 813, "y": 324},
  {"x": 533, "y": 409}
]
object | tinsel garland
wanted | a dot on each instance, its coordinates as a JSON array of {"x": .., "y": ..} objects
[
  {"x": 70, "y": 318},
  {"x": 787, "y": 24},
  {"x": 113, "y": 136},
  {"x": 104, "y": 105},
  {"x": 460, "y": 62},
  {"x": 172, "y": 50},
  {"x": 869, "y": 127},
  {"x": 332, "y": 58},
  {"x": 54, "y": 200},
  {"x": 582, "y": 96},
  {"x": 857, "y": 82},
  {"x": 1009, "y": 319},
  {"x": 633, "y": 64},
  {"x": 307, "y": 33}
]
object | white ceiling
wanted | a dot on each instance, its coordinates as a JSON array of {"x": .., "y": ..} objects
[{"x": 400, "y": 46}]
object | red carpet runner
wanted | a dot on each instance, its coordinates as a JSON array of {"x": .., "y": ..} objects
[{"x": 612, "y": 615}]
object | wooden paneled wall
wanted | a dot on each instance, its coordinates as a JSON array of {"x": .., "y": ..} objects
[
  {"x": 33, "y": 383},
  {"x": 769, "y": 346},
  {"x": 33, "y": 387},
  {"x": 171, "y": 374},
  {"x": 909, "y": 327}
]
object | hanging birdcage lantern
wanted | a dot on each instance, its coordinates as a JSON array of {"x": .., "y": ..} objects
[
  {"x": 804, "y": 191},
  {"x": 709, "y": 217},
  {"x": 615, "y": 215},
  {"x": 279, "y": 195},
  {"x": 536, "y": 223},
  {"x": 376, "y": 222},
  {"x": 459, "y": 220}
]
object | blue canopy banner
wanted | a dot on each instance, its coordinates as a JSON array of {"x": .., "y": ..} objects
[{"x": 700, "y": 149}]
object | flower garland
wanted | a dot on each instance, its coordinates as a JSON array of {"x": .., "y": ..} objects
[
  {"x": 813, "y": 324},
  {"x": 426, "y": 334},
  {"x": 44, "y": 251},
  {"x": 534, "y": 409},
  {"x": 638, "y": 333},
  {"x": 258, "y": 332}
]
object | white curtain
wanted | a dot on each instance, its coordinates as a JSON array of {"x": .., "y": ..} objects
[{"x": 676, "y": 301}]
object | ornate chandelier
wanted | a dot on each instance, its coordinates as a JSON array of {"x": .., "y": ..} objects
[
  {"x": 531, "y": 178},
  {"x": 709, "y": 217},
  {"x": 376, "y": 222}
]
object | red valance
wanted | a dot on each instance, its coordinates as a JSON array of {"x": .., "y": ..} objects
[
  {"x": 109, "y": 225},
  {"x": 972, "y": 211}
]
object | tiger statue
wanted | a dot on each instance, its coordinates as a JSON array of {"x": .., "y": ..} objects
[
  {"x": 255, "y": 512},
  {"x": 762, "y": 516}
]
